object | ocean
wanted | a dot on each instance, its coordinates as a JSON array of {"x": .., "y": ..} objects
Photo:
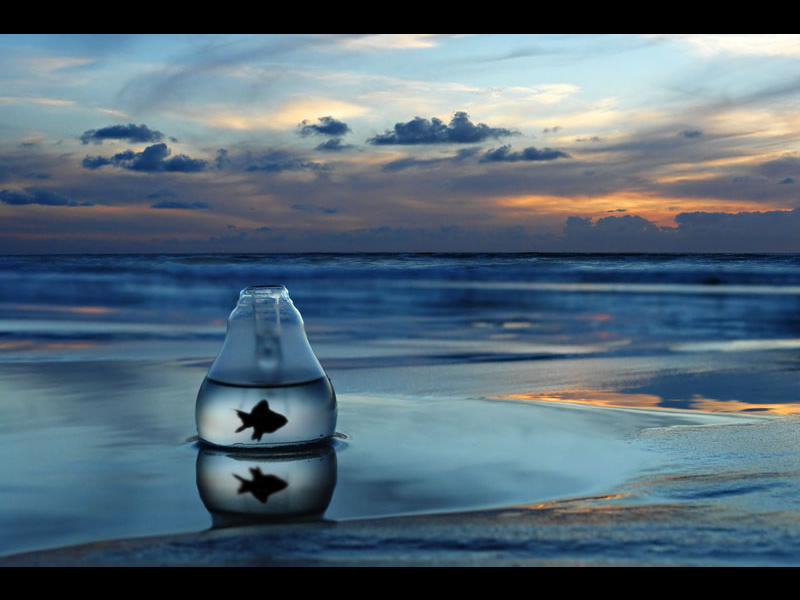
[{"x": 459, "y": 307}]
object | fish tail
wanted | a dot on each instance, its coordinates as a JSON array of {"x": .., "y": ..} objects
[
  {"x": 245, "y": 417},
  {"x": 243, "y": 484}
]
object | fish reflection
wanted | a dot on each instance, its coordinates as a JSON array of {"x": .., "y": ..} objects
[
  {"x": 240, "y": 487},
  {"x": 261, "y": 486}
]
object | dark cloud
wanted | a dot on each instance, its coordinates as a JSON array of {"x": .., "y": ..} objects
[
  {"x": 277, "y": 161},
  {"x": 326, "y": 126},
  {"x": 222, "y": 159},
  {"x": 180, "y": 163},
  {"x": 172, "y": 204},
  {"x": 163, "y": 193},
  {"x": 771, "y": 231},
  {"x": 333, "y": 145},
  {"x": 618, "y": 210},
  {"x": 37, "y": 175},
  {"x": 786, "y": 180},
  {"x": 130, "y": 132},
  {"x": 628, "y": 233},
  {"x": 749, "y": 188},
  {"x": 555, "y": 129},
  {"x": 96, "y": 162},
  {"x": 42, "y": 196},
  {"x": 152, "y": 159},
  {"x": 410, "y": 162},
  {"x": 779, "y": 168},
  {"x": 594, "y": 138},
  {"x": 659, "y": 147},
  {"x": 316, "y": 209},
  {"x": 504, "y": 154},
  {"x": 691, "y": 133},
  {"x": 617, "y": 226},
  {"x": 742, "y": 222},
  {"x": 422, "y": 131}
]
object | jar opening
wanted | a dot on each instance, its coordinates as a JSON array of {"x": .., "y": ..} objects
[{"x": 265, "y": 291}]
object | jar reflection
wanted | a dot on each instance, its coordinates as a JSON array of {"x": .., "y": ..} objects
[{"x": 240, "y": 487}]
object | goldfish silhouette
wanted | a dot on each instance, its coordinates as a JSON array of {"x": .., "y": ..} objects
[
  {"x": 261, "y": 486},
  {"x": 261, "y": 419}
]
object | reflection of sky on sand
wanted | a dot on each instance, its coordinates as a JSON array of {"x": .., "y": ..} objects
[
  {"x": 409, "y": 454},
  {"x": 85, "y": 310},
  {"x": 628, "y": 400},
  {"x": 738, "y": 345}
]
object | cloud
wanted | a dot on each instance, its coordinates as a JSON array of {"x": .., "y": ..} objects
[
  {"x": 410, "y": 162},
  {"x": 785, "y": 166},
  {"x": 389, "y": 41},
  {"x": 504, "y": 154},
  {"x": 96, "y": 162},
  {"x": 627, "y": 224},
  {"x": 555, "y": 129},
  {"x": 745, "y": 45},
  {"x": 594, "y": 138},
  {"x": 203, "y": 66},
  {"x": 326, "y": 126},
  {"x": 770, "y": 231},
  {"x": 691, "y": 133},
  {"x": 152, "y": 159},
  {"x": 277, "y": 161},
  {"x": 327, "y": 210},
  {"x": 333, "y": 145},
  {"x": 41, "y": 196},
  {"x": 742, "y": 222},
  {"x": 163, "y": 193},
  {"x": 172, "y": 204},
  {"x": 222, "y": 159},
  {"x": 45, "y": 101},
  {"x": 130, "y": 132},
  {"x": 422, "y": 131},
  {"x": 786, "y": 180}
]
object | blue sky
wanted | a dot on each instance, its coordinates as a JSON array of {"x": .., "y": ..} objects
[{"x": 399, "y": 143}]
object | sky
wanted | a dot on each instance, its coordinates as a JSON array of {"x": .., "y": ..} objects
[{"x": 399, "y": 143}]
